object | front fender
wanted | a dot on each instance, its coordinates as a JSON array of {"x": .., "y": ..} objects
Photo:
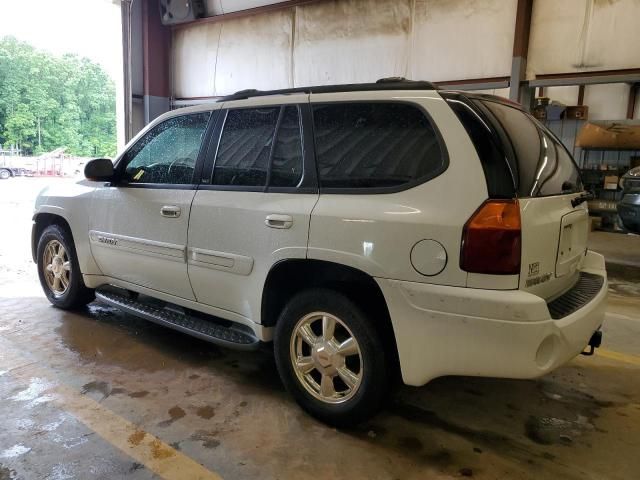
[{"x": 67, "y": 204}]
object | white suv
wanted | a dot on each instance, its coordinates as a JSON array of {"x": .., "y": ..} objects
[{"x": 364, "y": 229}]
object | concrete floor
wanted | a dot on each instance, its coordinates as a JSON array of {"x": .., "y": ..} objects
[
  {"x": 620, "y": 249},
  {"x": 103, "y": 395}
]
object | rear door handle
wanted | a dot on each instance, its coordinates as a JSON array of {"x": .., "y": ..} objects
[
  {"x": 170, "y": 211},
  {"x": 279, "y": 221}
]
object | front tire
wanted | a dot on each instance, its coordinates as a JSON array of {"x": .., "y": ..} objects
[
  {"x": 5, "y": 174},
  {"x": 58, "y": 270},
  {"x": 331, "y": 357}
]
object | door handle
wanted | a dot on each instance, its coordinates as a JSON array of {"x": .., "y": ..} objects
[
  {"x": 170, "y": 211},
  {"x": 279, "y": 221}
]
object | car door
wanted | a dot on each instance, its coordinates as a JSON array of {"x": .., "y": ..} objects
[
  {"x": 138, "y": 228},
  {"x": 256, "y": 209}
]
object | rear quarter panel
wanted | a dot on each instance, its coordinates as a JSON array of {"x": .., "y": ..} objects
[{"x": 376, "y": 232}]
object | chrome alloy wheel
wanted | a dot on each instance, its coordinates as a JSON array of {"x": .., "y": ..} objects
[
  {"x": 326, "y": 357},
  {"x": 56, "y": 267}
]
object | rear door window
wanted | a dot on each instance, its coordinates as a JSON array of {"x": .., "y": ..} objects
[
  {"x": 544, "y": 166},
  {"x": 245, "y": 147},
  {"x": 375, "y": 146},
  {"x": 286, "y": 163},
  {"x": 259, "y": 146}
]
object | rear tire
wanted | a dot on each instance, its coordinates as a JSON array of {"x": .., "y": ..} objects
[
  {"x": 58, "y": 270},
  {"x": 5, "y": 174},
  {"x": 331, "y": 357}
]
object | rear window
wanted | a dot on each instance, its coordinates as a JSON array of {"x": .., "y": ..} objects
[
  {"x": 544, "y": 166},
  {"x": 519, "y": 155},
  {"x": 374, "y": 145}
]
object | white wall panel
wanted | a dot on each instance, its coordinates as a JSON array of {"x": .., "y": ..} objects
[
  {"x": 255, "y": 52},
  {"x": 607, "y": 102},
  {"x": 499, "y": 92},
  {"x": 347, "y": 41},
  {"x": 219, "y": 7},
  {"x": 213, "y": 7},
  {"x": 194, "y": 60},
  {"x": 566, "y": 95},
  {"x": 351, "y": 41},
  {"x": 462, "y": 39},
  {"x": 583, "y": 35}
]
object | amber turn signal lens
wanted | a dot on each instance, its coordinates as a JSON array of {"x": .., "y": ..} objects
[{"x": 491, "y": 239}]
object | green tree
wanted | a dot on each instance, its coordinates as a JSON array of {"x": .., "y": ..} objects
[{"x": 47, "y": 102}]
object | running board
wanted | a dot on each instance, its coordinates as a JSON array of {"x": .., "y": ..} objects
[{"x": 235, "y": 336}]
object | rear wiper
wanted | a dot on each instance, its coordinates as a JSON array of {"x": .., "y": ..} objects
[{"x": 581, "y": 199}]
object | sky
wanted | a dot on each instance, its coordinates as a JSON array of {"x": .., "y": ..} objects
[{"x": 89, "y": 28}]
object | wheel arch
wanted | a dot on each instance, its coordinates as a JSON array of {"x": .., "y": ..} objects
[
  {"x": 41, "y": 221},
  {"x": 288, "y": 277}
]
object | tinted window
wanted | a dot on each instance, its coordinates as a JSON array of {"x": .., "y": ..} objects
[
  {"x": 168, "y": 152},
  {"x": 500, "y": 183},
  {"x": 286, "y": 165},
  {"x": 245, "y": 147},
  {"x": 373, "y": 145},
  {"x": 544, "y": 166}
]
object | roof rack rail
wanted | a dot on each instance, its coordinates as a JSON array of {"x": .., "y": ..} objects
[{"x": 391, "y": 83}]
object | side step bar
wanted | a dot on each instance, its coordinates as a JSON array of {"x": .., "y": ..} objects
[{"x": 236, "y": 336}]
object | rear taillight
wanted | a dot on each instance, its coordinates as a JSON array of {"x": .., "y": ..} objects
[{"x": 491, "y": 239}]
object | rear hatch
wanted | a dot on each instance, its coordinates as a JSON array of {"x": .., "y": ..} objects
[{"x": 524, "y": 160}]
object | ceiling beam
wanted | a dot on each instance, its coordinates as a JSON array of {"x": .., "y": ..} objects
[{"x": 628, "y": 75}]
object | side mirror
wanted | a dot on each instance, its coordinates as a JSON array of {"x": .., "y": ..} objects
[{"x": 99, "y": 170}]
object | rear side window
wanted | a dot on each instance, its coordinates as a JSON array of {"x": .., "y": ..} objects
[
  {"x": 374, "y": 145},
  {"x": 544, "y": 166},
  {"x": 500, "y": 182},
  {"x": 259, "y": 145},
  {"x": 245, "y": 146},
  {"x": 286, "y": 164}
]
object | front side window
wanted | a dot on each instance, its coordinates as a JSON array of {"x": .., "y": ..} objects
[
  {"x": 167, "y": 153},
  {"x": 374, "y": 145}
]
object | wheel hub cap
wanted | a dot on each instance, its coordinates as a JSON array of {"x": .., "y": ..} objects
[
  {"x": 56, "y": 267},
  {"x": 326, "y": 357}
]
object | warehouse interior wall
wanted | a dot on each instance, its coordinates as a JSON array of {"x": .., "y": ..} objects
[
  {"x": 577, "y": 36},
  {"x": 349, "y": 41},
  {"x": 345, "y": 41}
]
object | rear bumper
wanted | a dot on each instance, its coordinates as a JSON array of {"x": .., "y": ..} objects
[{"x": 444, "y": 330}]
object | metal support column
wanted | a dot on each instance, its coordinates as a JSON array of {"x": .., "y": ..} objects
[
  {"x": 156, "y": 55},
  {"x": 519, "y": 91}
]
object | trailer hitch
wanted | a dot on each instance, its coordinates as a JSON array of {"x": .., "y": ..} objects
[{"x": 594, "y": 342}]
